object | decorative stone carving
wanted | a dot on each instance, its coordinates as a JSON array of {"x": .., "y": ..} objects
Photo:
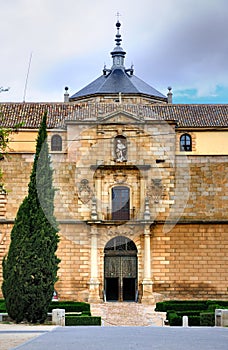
[
  {"x": 84, "y": 191},
  {"x": 147, "y": 209},
  {"x": 94, "y": 209},
  {"x": 155, "y": 190},
  {"x": 120, "y": 177},
  {"x": 121, "y": 231},
  {"x": 120, "y": 149}
]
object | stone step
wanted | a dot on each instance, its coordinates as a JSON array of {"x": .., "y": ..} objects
[{"x": 128, "y": 314}]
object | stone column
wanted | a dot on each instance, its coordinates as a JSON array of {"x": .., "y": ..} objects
[
  {"x": 147, "y": 284},
  {"x": 94, "y": 296}
]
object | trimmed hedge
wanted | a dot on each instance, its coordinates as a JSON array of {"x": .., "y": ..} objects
[
  {"x": 181, "y": 305},
  {"x": 79, "y": 314},
  {"x": 194, "y": 321},
  {"x": 200, "y": 313},
  {"x": 176, "y": 320},
  {"x": 221, "y": 303},
  {"x": 69, "y": 306},
  {"x": 83, "y": 321},
  {"x": 207, "y": 319}
]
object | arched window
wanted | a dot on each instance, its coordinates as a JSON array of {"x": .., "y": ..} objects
[
  {"x": 56, "y": 143},
  {"x": 120, "y": 148},
  {"x": 185, "y": 142},
  {"x": 120, "y": 243}
]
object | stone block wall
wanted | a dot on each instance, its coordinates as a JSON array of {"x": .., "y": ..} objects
[
  {"x": 190, "y": 261},
  {"x": 74, "y": 268}
]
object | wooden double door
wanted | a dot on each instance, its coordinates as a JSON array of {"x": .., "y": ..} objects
[{"x": 120, "y": 272}]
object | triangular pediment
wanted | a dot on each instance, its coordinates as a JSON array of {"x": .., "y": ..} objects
[{"x": 120, "y": 117}]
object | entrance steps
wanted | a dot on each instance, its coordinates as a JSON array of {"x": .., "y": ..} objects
[{"x": 128, "y": 314}]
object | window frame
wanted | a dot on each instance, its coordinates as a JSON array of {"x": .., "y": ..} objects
[
  {"x": 185, "y": 143},
  {"x": 56, "y": 143}
]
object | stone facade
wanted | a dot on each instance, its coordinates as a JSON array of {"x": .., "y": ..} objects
[{"x": 177, "y": 210}]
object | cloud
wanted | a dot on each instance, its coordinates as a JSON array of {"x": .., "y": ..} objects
[{"x": 181, "y": 43}]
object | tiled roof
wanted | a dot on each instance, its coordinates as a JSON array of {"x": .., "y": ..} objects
[
  {"x": 189, "y": 116},
  {"x": 118, "y": 81}
]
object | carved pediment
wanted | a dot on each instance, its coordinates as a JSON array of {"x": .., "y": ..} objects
[{"x": 120, "y": 117}]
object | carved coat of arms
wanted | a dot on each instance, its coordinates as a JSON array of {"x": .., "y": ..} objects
[{"x": 84, "y": 191}]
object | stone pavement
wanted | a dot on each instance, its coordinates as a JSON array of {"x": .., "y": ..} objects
[
  {"x": 130, "y": 338},
  {"x": 128, "y": 314},
  {"x": 12, "y": 334}
]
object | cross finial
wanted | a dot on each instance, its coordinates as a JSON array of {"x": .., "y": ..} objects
[{"x": 118, "y": 15}]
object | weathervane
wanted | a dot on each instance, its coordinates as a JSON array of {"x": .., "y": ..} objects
[{"x": 2, "y": 89}]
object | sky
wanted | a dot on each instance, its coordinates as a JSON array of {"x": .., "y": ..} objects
[{"x": 49, "y": 44}]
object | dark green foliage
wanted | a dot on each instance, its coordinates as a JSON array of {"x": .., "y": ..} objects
[
  {"x": 174, "y": 319},
  {"x": 189, "y": 313},
  {"x": 30, "y": 268},
  {"x": 212, "y": 307},
  {"x": 181, "y": 305},
  {"x": 69, "y": 306},
  {"x": 200, "y": 313},
  {"x": 2, "y": 305},
  {"x": 207, "y": 319},
  {"x": 193, "y": 321},
  {"x": 221, "y": 303},
  {"x": 83, "y": 321}
]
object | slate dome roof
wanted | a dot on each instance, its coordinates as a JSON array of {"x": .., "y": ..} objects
[{"x": 118, "y": 79}]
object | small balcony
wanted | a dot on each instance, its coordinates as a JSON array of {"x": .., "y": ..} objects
[{"x": 120, "y": 215}]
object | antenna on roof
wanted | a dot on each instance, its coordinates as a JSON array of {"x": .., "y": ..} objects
[{"x": 26, "y": 81}]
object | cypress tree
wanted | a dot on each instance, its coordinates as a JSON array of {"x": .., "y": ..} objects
[{"x": 30, "y": 268}]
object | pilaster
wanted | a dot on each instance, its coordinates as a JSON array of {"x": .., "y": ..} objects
[
  {"x": 147, "y": 283},
  {"x": 94, "y": 295}
]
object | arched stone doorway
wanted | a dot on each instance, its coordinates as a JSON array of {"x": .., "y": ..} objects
[{"x": 120, "y": 269}]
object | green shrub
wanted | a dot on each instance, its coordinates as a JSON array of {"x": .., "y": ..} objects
[
  {"x": 212, "y": 307},
  {"x": 181, "y": 305},
  {"x": 86, "y": 313},
  {"x": 221, "y": 303},
  {"x": 82, "y": 321},
  {"x": 2, "y": 305},
  {"x": 207, "y": 319},
  {"x": 174, "y": 319},
  {"x": 161, "y": 306},
  {"x": 188, "y": 306},
  {"x": 189, "y": 313},
  {"x": 199, "y": 312},
  {"x": 193, "y": 321},
  {"x": 69, "y": 306}
]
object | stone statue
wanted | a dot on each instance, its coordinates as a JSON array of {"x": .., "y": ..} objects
[{"x": 121, "y": 151}]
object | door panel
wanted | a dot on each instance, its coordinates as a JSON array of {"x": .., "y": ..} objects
[
  {"x": 120, "y": 277},
  {"x": 112, "y": 266},
  {"x": 129, "y": 289},
  {"x": 112, "y": 289},
  {"x": 129, "y": 266}
]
